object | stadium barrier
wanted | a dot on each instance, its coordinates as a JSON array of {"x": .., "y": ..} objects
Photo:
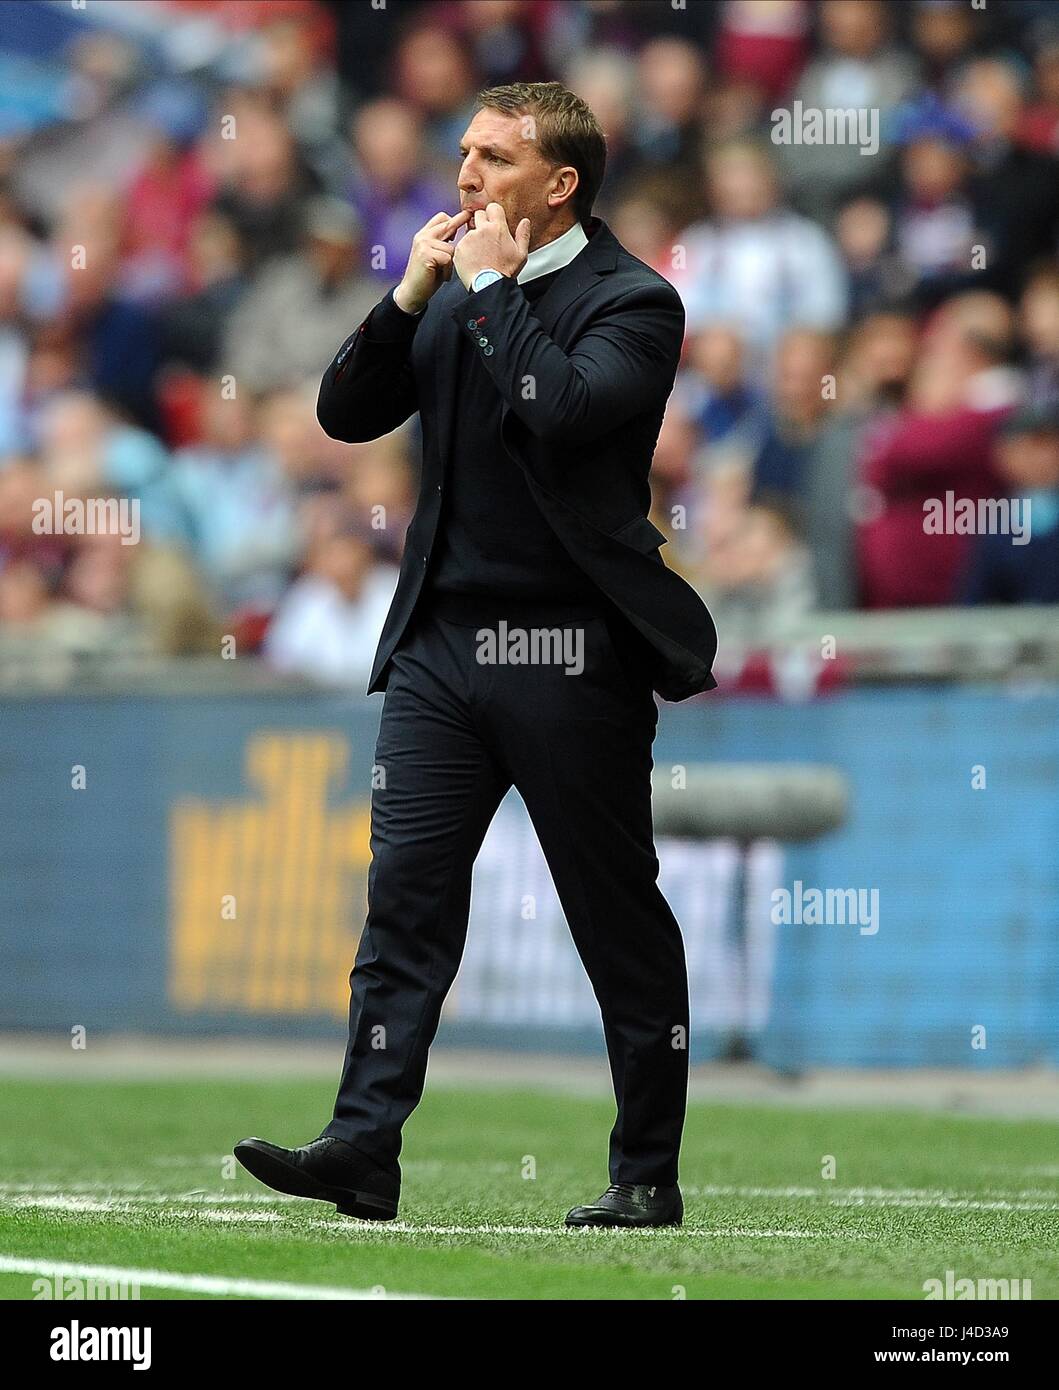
[{"x": 187, "y": 861}]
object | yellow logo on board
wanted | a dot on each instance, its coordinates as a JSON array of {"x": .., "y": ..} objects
[{"x": 268, "y": 895}]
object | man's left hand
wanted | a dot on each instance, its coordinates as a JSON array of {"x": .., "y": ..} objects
[{"x": 490, "y": 245}]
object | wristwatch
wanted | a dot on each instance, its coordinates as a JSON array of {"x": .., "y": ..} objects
[{"x": 485, "y": 277}]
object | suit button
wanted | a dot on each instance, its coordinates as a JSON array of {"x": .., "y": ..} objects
[
  {"x": 472, "y": 323},
  {"x": 482, "y": 342},
  {"x": 487, "y": 352},
  {"x": 426, "y": 559},
  {"x": 439, "y": 489}
]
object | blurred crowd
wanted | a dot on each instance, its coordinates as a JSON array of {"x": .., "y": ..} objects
[{"x": 198, "y": 203}]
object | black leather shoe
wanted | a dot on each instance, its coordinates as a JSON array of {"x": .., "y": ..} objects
[
  {"x": 329, "y": 1170},
  {"x": 631, "y": 1204}
]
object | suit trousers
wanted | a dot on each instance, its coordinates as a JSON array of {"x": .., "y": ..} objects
[{"x": 574, "y": 737}]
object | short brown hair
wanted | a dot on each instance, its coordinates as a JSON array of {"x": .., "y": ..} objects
[{"x": 567, "y": 131}]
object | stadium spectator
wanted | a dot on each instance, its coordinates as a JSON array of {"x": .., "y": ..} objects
[
  {"x": 671, "y": 481},
  {"x": 194, "y": 322},
  {"x": 14, "y": 348},
  {"x": 606, "y": 79},
  {"x": 116, "y": 342},
  {"x": 22, "y": 481},
  {"x": 508, "y": 38},
  {"x": 1016, "y": 191},
  {"x": 1006, "y": 569},
  {"x": 879, "y": 277},
  {"x": 285, "y": 327},
  {"x": 86, "y": 617},
  {"x": 95, "y": 597},
  {"x": 379, "y": 492},
  {"x": 762, "y": 47},
  {"x": 172, "y": 602},
  {"x": 804, "y": 385},
  {"x": 286, "y": 425},
  {"x": 434, "y": 74},
  {"x": 757, "y": 575},
  {"x": 873, "y": 376},
  {"x": 95, "y": 134},
  {"x": 390, "y": 189},
  {"x": 88, "y": 450},
  {"x": 1039, "y": 324},
  {"x": 671, "y": 85},
  {"x": 939, "y": 444},
  {"x": 289, "y": 69},
  {"x": 24, "y": 599},
  {"x": 264, "y": 181},
  {"x": 860, "y": 69},
  {"x": 239, "y": 508},
  {"x": 168, "y": 191},
  {"x": 715, "y": 390},
  {"x": 754, "y": 262},
  {"x": 1039, "y": 127},
  {"x": 936, "y": 224},
  {"x": 716, "y": 422},
  {"x": 944, "y": 34},
  {"x": 329, "y": 623},
  {"x": 647, "y": 219}
]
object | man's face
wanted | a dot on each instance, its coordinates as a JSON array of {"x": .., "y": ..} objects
[
  {"x": 1031, "y": 460},
  {"x": 502, "y": 164},
  {"x": 741, "y": 185}
]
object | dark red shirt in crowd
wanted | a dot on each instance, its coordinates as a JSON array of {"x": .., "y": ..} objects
[{"x": 908, "y": 460}]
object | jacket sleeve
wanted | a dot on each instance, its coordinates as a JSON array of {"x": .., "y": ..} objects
[
  {"x": 369, "y": 389},
  {"x": 622, "y": 365}
]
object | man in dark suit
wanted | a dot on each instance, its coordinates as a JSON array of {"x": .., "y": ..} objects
[{"x": 533, "y": 619}]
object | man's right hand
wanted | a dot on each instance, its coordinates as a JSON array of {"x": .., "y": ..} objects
[{"x": 429, "y": 261}]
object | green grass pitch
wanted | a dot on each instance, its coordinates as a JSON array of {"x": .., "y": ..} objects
[{"x": 133, "y": 1175}]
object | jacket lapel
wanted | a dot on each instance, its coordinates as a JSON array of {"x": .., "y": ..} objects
[
  {"x": 446, "y": 347},
  {"x": 598, "y": 257},
  {"x": 580, "y": 275}
]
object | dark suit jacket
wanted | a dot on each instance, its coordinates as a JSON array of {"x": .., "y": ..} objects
[{"x": 584, "y": 377}]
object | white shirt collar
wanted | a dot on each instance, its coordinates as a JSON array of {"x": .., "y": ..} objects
[{"x": 554, "y": 255}]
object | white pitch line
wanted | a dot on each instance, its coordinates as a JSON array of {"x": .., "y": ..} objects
[
  {"x": 410, "y": 1228},
  {"x": 57, "y": 1201},
  {"x": 371, "y": 1230},
  {"x": 884, "y": 1196},
  {"x": 224, "y": 1209},
  {"x": 228, "y": 1216},
  {"x": 136, "y": 1192},
  {"x": 128, "y": 1192},
  {"x": 945, "y": 1204},
  {"x": 192, "y": 1283}
]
